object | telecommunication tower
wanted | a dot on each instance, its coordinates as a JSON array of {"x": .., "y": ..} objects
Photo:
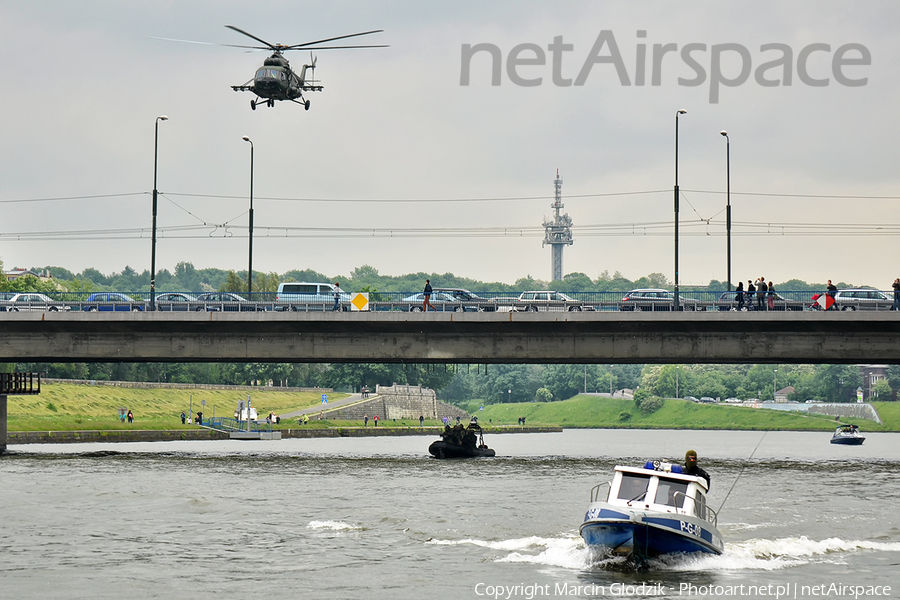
[{"x": 558, "y": 232}]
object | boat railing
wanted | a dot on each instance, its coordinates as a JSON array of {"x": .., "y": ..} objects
[{"x": 595, "y": 491}]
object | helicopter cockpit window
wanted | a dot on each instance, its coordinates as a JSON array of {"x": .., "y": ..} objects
[{"x": 270, "y": 74}]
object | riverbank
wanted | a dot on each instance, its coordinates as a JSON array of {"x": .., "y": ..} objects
[{"x": 203, "y": 434}]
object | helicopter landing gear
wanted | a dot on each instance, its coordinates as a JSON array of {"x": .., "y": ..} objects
[
  {"x": 270, "y": 103},
  {"x": 306, "y": 105},
  {"x": 253, "y": 104}
]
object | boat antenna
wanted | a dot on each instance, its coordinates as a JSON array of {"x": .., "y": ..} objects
[{"x": 741, "y": 472}]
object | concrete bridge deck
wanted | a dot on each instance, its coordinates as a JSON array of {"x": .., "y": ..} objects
[{"x": 586, "y": 337}]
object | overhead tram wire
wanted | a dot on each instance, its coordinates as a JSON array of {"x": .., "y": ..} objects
[
  {"x": 476, "y": 199},
  {"x": 693, "y": 228}
]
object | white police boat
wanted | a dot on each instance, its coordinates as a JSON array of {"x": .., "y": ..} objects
[{"x": 649, "y": 512}]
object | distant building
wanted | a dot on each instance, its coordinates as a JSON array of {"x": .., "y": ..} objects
[
  {"x": 15, "y": 273},
  {"x": 782, "y": 394},
  {"x": 870, "y": 375}
]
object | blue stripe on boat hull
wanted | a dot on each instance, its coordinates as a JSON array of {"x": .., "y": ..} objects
[{"x": 646, "y": 540}]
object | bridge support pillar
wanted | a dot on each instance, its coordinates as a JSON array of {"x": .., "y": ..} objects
[{"x": 2, "y": 423}]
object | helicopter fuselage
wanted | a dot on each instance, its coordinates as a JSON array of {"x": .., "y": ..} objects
[{"x": 275, "y": 80}]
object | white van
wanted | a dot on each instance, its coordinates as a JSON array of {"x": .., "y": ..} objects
[{"x": 308, "y": 296}]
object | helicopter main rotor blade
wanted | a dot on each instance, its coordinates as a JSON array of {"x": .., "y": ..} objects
[
  {"x": 340, "y": 37},
  {"x": 250, "y": 35},
  {"x": 335, "y": 47},
  {"x": 152, "y": 37}
]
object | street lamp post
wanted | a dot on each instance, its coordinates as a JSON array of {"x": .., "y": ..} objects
[
  {"x": 680, "y": 111},
  {"x": 676, "y": 382},
  {"x": 728, "y": 201},
  {"x": 250, "y": 265},
  {"x": 774, "y": 385},
  {"x": 155, "y": 194}
]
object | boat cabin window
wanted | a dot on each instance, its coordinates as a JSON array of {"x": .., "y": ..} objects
[
  {"x": 700, "y": 506},
  {"x": 671, "y": 493},
  {"x": 633, "y": 486}
]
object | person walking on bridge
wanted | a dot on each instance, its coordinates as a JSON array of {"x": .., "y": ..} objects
[
  {"x": 426, "y": 297},
  {"x": 896, "y": 287}
]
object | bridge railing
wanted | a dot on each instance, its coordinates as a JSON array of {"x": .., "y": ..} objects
[{"x": 689, "y": 300}]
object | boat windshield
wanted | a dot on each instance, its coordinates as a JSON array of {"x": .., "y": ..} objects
[
  {"x": 633, "y": 486},
  {"x": 671, "y": 493}
]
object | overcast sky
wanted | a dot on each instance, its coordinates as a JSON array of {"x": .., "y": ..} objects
[{"x": 396, "y": 160}]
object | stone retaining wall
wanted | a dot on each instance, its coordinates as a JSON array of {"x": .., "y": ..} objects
[
  {"x": 853, "y": 411},
  {"x": 399, "y": 402}
]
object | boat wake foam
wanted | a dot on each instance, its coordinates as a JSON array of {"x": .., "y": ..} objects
[
  {"x": 332, "y": 526},
  {"x": 570, "y": 552}
]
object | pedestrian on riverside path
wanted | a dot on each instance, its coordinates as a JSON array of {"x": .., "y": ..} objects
[
  {"x": 366, "y": 420},
  {"x": 183, "y": 418},
  {"x": 130, "y": 417},
  {"x": 750, "y": 291},
  {"x": 421, "y": 421},
  {"x": 376, "y": 420}
]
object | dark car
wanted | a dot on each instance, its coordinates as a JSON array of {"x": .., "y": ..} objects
[
  {"x": 225, "y": 301},
  {"x": 655, "y": 299},
  {"x": 470, "y": 301},
  {"x": 729, "y": 301},
  {"x": 112, "y": 301},
  {"x": 176, "y": 301}
]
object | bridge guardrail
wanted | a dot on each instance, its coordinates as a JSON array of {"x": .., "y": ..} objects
[{"x": 706, "y": 300}]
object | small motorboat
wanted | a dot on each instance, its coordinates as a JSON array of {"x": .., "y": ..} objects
[
  {"x": 460, "y": 442},
  {"x": 847, "y": 435},
  {"x": 649, "y": 512}
]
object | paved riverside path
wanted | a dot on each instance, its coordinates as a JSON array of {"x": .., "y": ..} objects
[{"x": 314, "y": 410}]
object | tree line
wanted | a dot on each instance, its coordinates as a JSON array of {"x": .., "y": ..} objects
[
  {"x": 468, "y": 384},
  {"x": 187, "y": 278}
]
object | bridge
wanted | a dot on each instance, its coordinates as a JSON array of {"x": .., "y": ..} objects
[{"x": 447, "y": 337}]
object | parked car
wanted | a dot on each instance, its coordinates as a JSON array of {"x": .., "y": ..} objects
[
  {"x": 31, "y": 302},
  {"x": 535, "y": 301},
  {"x": 471, "y": 301},
  {"x": 691, "y": 398},
  {"x": 176, "y": 301},
  {"x": 112, "y": 301},
  {"x": 728, "y": 301},
  {"x": 305, "y": 296},
  {"x": 655, "y": 299},
  {"x": 225, "y": 301},
  {"x": 707, "y": 400},
  {"x": 862, "y": 299}
]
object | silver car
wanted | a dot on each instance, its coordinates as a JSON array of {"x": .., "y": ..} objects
[
  {"x": 655, "y": 299},
  {"x": 534, "y": 301},
  {"x": 862, "y": 299},
  {"x": 31, "y": 301}
]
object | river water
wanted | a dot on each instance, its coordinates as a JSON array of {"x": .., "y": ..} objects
[{"x": 378, "y": 518}]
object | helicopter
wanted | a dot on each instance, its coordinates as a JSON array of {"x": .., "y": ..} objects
[{"x": 275, "y": 80}]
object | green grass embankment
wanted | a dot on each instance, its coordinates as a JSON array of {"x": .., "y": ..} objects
[
  {"x": 591, "y": 411},
  {"x": 68, "y": 407}
]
